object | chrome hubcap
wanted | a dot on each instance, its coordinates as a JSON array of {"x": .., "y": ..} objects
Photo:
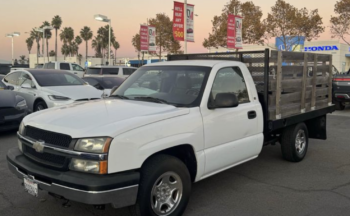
[
  {"x": 300, "y": 141},
  {"x": 166, "y": 193}
]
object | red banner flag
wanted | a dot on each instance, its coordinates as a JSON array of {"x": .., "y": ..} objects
[
  {"x": 178, "y": 21},
  {"x": 231, "y": 32},
  {"x": 144, "y": 38}
]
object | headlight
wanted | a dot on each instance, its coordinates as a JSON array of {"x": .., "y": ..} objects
[
  {"x": 21, "y": 105},
  {"x": 21, "y": 128},
  {"x": 58, "y": 98},
  {"x": 96, "y": 167},
  {"x": 93, "y": 145}
]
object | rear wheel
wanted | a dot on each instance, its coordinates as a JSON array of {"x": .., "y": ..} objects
[
  {"x": 295, "y": 142},
  {"x": 164, "y": 189},
  {"x": 41, "y": 105},
  {"x": 339, "y": 105}
]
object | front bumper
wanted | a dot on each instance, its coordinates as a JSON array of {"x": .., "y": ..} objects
[
  {"x": 10, "y": 122},
  {"x": 119, "y": 190}
]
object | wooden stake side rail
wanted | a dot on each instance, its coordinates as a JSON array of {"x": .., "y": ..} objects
[{"x": 300, "y": 82}]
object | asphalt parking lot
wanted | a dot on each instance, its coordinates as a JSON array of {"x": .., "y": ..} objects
[{"x": 319, "y": 185}]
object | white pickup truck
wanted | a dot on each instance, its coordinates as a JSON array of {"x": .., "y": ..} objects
[
  {"x": 70, "y": 67},
  {"x": 168, "y": 125}
]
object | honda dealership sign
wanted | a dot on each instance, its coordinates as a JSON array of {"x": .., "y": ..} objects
[{"x": 320, "y": 48}]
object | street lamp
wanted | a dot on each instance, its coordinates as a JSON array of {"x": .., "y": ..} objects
[
  {"x": 103, "y": 18},
  {"x": 43, "y": 31},
  {"x": 11, "y": 35}
]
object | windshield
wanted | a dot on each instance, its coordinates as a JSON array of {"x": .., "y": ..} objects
[
  {"x": 176, "y": 85},
  {"x": 57, "y": 79},
  {"x": 110, "y": 82},
  {"x": 93, "y": 71}
]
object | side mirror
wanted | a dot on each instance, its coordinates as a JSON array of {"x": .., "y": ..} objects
[
  {"x": 224, "y": 100},
  {"x": 26, "y": 85},
  {"x": 10, "y": 88}
]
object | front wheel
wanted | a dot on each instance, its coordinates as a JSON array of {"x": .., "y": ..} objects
[
  {"x": 295, "y": 142},
  {"x": 164, "y": 188},
  {"x": 41, "y": 105}
]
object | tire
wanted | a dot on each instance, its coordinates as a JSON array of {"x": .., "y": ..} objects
[
  {"x": 41, "y": 105},
  {"x": 339, "y": 105},
  {"x": 153, "y": 173},
  {"x": 295, "y": 142}
]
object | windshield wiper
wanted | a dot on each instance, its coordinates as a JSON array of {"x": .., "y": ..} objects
[
  {"x": 152, "y": 99},
  {"x": 120, "y": 97}
]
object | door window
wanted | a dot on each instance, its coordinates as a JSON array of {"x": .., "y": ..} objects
[
  {"x": 51, "y": 66},
  {"x": 77, "y": 67},
  {"x": 25, "y": 78},
  {"x": 128, "y": 71},
  {"x": 230, "y": 80},
  {"x": 113, "y": 71},
  {"x": 64, "y": 66},
  {"x": 12, "y": 78}
]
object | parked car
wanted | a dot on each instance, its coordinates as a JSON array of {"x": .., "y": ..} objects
[
  {"x": 147, "y": 144},
  {"x": 119, "y": 71},
  {"x": 341, "y": 90},
  {"x": 13, "y": 108},
  {"x": 104, "y": 84},
  {"x": 49, "y": 88},
  {"x": 70, "y": 67}
]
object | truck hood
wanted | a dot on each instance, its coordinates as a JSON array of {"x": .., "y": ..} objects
[
  {"x": 109, "y": 117},
  {"x": 74, "y": 92}
]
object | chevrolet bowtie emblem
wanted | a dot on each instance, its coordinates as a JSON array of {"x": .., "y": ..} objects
[{"x": 39, "y": 146}]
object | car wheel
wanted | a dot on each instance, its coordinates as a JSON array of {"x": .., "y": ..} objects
[
  {"x": 339, "y": 105},
  {"x": 295, "y": 142},
  {"x": 41, "y": 105},
  {"x": 164, "y": 189}
]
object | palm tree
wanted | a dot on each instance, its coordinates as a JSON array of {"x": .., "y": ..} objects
[
  {"x": 67, "y": 35},
  {"x": 65, "y": 50},
  {"x": 36, "y": 36},
  {"x": 48, "y": 36},
  {"x": 115, "y": 46},
  {"x": 97, "y": 44},
  {"x": 52, "y": 53},
  {"x": 86, "y": 35},
  {"x": 73, "y": 49},
  {"x": 22, "y": 59},
  {"x": 56, "y": 23},
  {"x": 29, "y": 42},
  {"x": 78, "y": 41}
]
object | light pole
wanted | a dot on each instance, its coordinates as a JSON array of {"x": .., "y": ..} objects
[
  {"x": 43, "y": 44},
  {"x": 103, "y": 18},
  {"x": 11, "y": 35}
]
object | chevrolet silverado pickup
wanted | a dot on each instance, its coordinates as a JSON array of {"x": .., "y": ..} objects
[{"x": 197, "y": 115}]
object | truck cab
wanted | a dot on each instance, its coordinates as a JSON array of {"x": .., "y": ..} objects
[{"x": 67, "y": 66}]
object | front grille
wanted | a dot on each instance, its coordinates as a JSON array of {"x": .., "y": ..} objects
[
  {"x": 45, "y": 158},
  {"x": 49, "y": 137}
]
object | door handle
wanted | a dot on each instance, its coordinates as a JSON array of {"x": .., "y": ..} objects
[{"x": 251, "y": 115}]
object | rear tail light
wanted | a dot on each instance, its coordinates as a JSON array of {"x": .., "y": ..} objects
[{"x": 341, "y": 79}]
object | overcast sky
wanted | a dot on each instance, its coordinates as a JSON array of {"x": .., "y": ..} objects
[{"x": 126, "y": 16}]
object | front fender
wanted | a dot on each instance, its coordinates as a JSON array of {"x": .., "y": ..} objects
[{"x": 129, "y": 150}]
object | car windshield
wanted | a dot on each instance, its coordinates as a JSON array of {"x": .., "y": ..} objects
[
  {"x": 57, "y": 79},
  {"x": 176, "y": 85},
  {"x": 110, "y": 82},
  {"x": 93, "y": 71}
]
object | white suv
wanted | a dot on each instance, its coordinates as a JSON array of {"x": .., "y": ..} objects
[
  {"x": 70, "y": 67},
  {"x": 49, "y": 88},
  {"x": 119, "y": 71}
]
